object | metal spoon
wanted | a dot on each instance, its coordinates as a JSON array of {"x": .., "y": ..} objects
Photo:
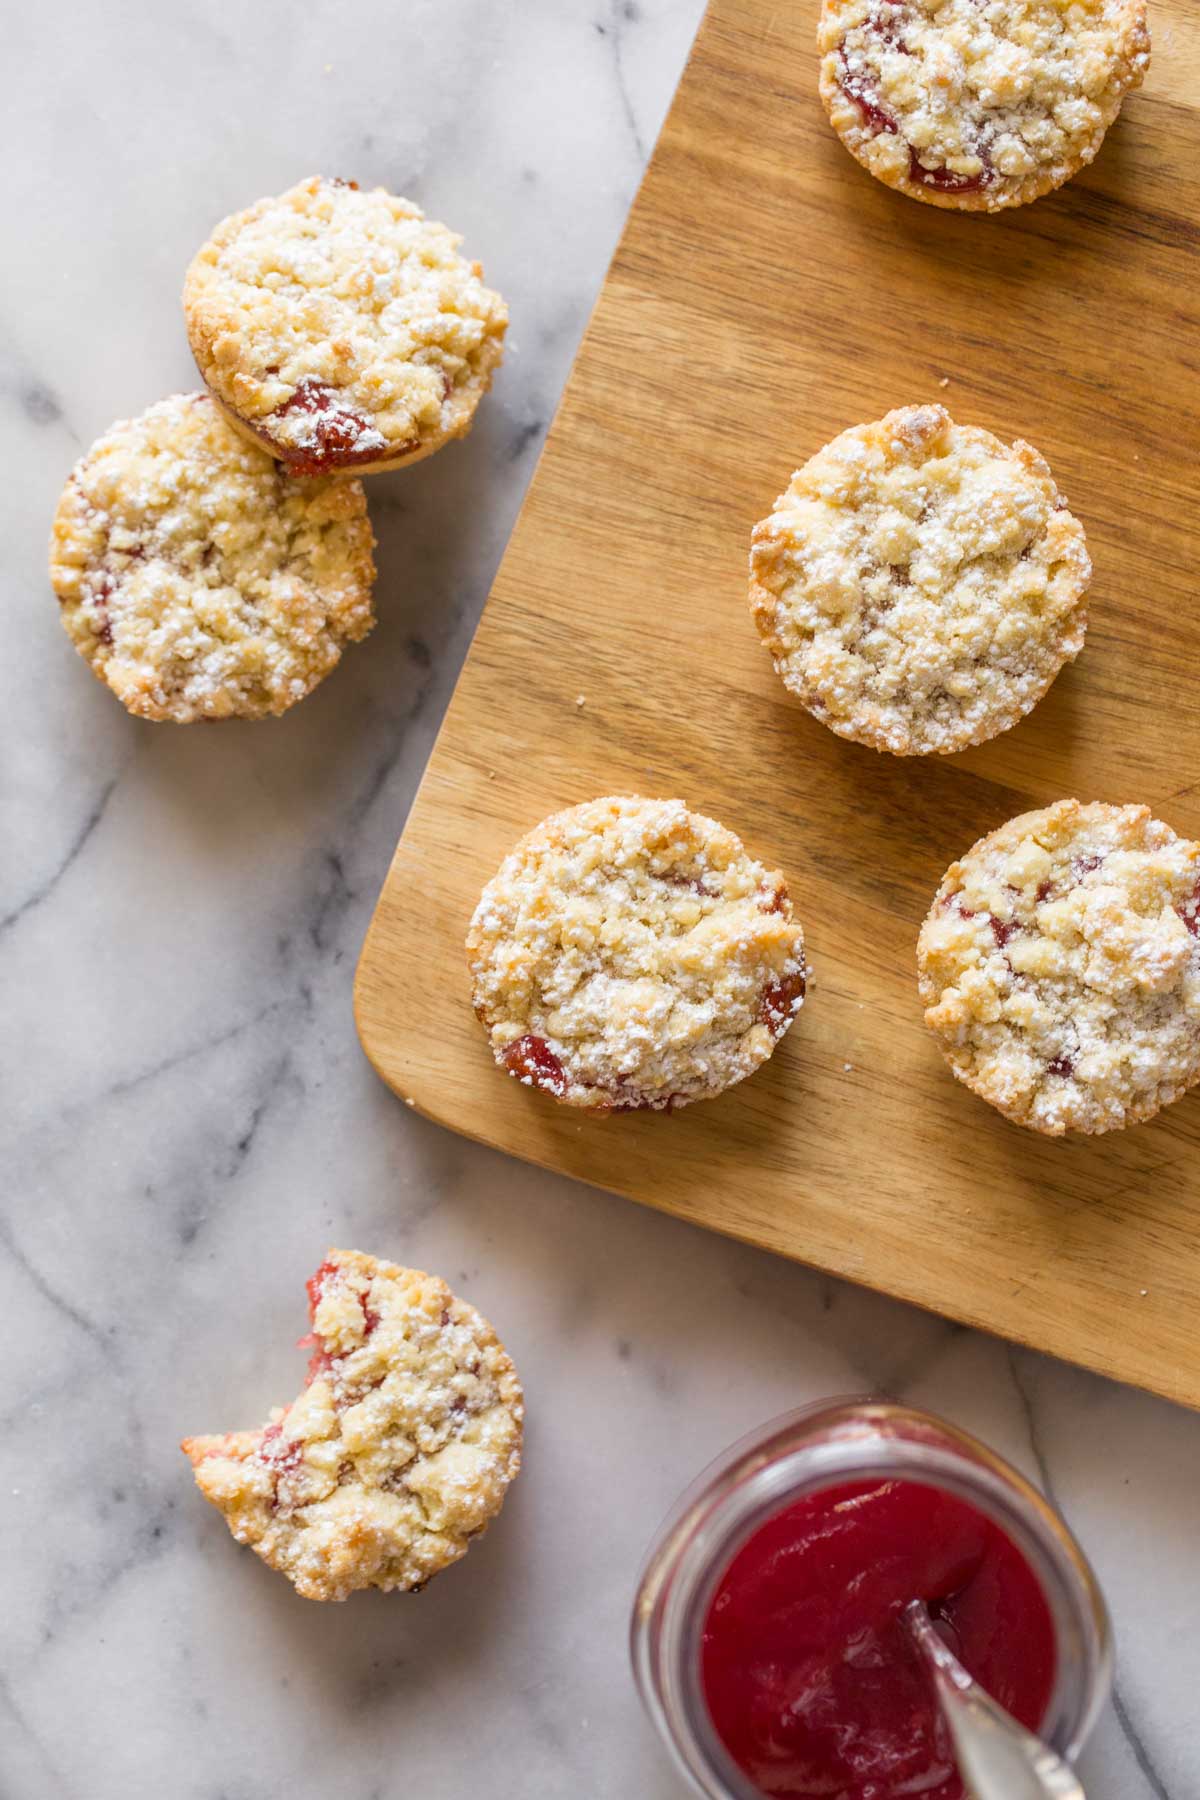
[{"x": 997, "y": 1758}]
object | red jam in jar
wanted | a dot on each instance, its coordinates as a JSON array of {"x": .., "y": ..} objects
[{"x": 807, "y": 1671}]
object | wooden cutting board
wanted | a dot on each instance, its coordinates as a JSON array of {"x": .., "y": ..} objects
[{"x": 766, "y": 294}]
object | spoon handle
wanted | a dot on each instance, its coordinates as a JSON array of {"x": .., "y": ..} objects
[{"x": 997, "y": 1758}]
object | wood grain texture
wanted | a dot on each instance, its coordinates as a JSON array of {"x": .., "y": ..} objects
[{"x": 767, "y": 294}]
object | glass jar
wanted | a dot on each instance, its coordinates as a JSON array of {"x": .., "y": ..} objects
[{"x": 818, "y": 1447}]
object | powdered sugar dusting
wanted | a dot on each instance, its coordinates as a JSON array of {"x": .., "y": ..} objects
[
  {"x": 978, "y": 103},
  {"x": 1060, "y": 969},
  {"x": 630, "y": 955},
  {"x": 199, "y": 581},
  {"x": 397, "y": 1453},
  {"x": 920, "y": 584}
]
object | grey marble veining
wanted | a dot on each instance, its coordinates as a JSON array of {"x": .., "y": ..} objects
[{"x": 187, "y": 1119}]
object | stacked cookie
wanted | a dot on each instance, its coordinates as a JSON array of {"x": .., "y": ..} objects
[{"x": 213, "y": 556}]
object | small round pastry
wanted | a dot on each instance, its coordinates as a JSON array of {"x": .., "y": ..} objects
[
  {"x": 920, "y": 584},
  {"x": 978, "y": 107},
  {"x": 342, "y": 329},
  {"x": 630, "y": 955},
  {"x": 399, "y": 1451},
  {"x": 1060, "y": 967},
  {"x": 197, "y": 578}
]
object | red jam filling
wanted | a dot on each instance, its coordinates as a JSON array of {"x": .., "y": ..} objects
[
  {"x": 321, "y": 1360},
  {"x": 102, "y": 592},
  {"x": 887, "y": 23},
  {"x": 315, "y": 1285},
  {"x": 808, "y": 1673},
  {"x": 531, "y": 1059},
  {"x": 865, "y": 96},
  {"x": 1189, "y": 912},
  {"x": 781, "y": 1003},
  {"x": 281, "y": 1455},
  {"x": 339, "y": 437},
  {"x": 945, "y": 180}
]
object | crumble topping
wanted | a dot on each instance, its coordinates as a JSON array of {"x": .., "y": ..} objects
[
  {"x": 629, "y": 954},
  {"x": 343, "y": 328},
  {"x": 1060, "y": 967},
  {"x": 920, "y": 584},
  {"x": 198, "y": 579},
  {"x": 978, "y": 103},
  {"x": 398, "y": 1452}
]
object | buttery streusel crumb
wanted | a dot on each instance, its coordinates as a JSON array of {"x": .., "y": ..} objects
[
  {"x": 630, "y": 955},
  {"x": 920, "y": 584},
  {"x": 196, "y": 578},
  {"x": 978, "y": 104},
  {"x": 398, "y": 1452},
  {"x": 342, "y": 329},
  {"x": 1060, "y": 967}
]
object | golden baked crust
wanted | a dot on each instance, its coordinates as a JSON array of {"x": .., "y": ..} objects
[
  {"x": 342, "y": 329},
  {"x": 629, "y": 955},
  {"x": 1060, "y": 967},
  {"x": 920, "y": 584},
  {"x": 978, "y": 106},
  {"x": 398, "y": 1452},
  {"x": 198, "y": 579}
]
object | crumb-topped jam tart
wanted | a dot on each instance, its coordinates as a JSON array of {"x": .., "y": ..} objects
[
  {"x": 978, "y": 104},
  {"x": 1060, "y": 967},
  {"x": 342, "y": 329},
  {"x": 197, "y": 578},
  {"x": 920, "y": 584},
  {"x": 399, "y": 1451},
  {"x": 631, "y": 955}
]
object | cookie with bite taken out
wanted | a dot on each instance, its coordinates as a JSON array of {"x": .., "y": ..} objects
[{"x": 397, "y": 1454}]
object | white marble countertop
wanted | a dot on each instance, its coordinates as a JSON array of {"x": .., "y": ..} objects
[{"x": 187, "y": 1119}]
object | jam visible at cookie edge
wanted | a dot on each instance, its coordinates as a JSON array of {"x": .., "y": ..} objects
[
  {"x": 1189, "y": 912},
  {"x": 782, "y": 1001},
  {"x": 281, "y": 1457},
  {"x": 863, "y": 94},
  {"x": 531, "y": 1060},
  {"x": 339, "y": 432},
  {"x": 945, "y": 181}
]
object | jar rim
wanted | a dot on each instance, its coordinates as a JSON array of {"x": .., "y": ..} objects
[{"x": 816, "y": 1447}]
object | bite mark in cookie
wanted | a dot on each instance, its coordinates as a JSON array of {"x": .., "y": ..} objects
[
  {"x": 1060, "y": 968},
  {"x": 398, "y": 1452},
  {"x": 920, "y": 584},
  {"x": 630, "y": 956}
]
